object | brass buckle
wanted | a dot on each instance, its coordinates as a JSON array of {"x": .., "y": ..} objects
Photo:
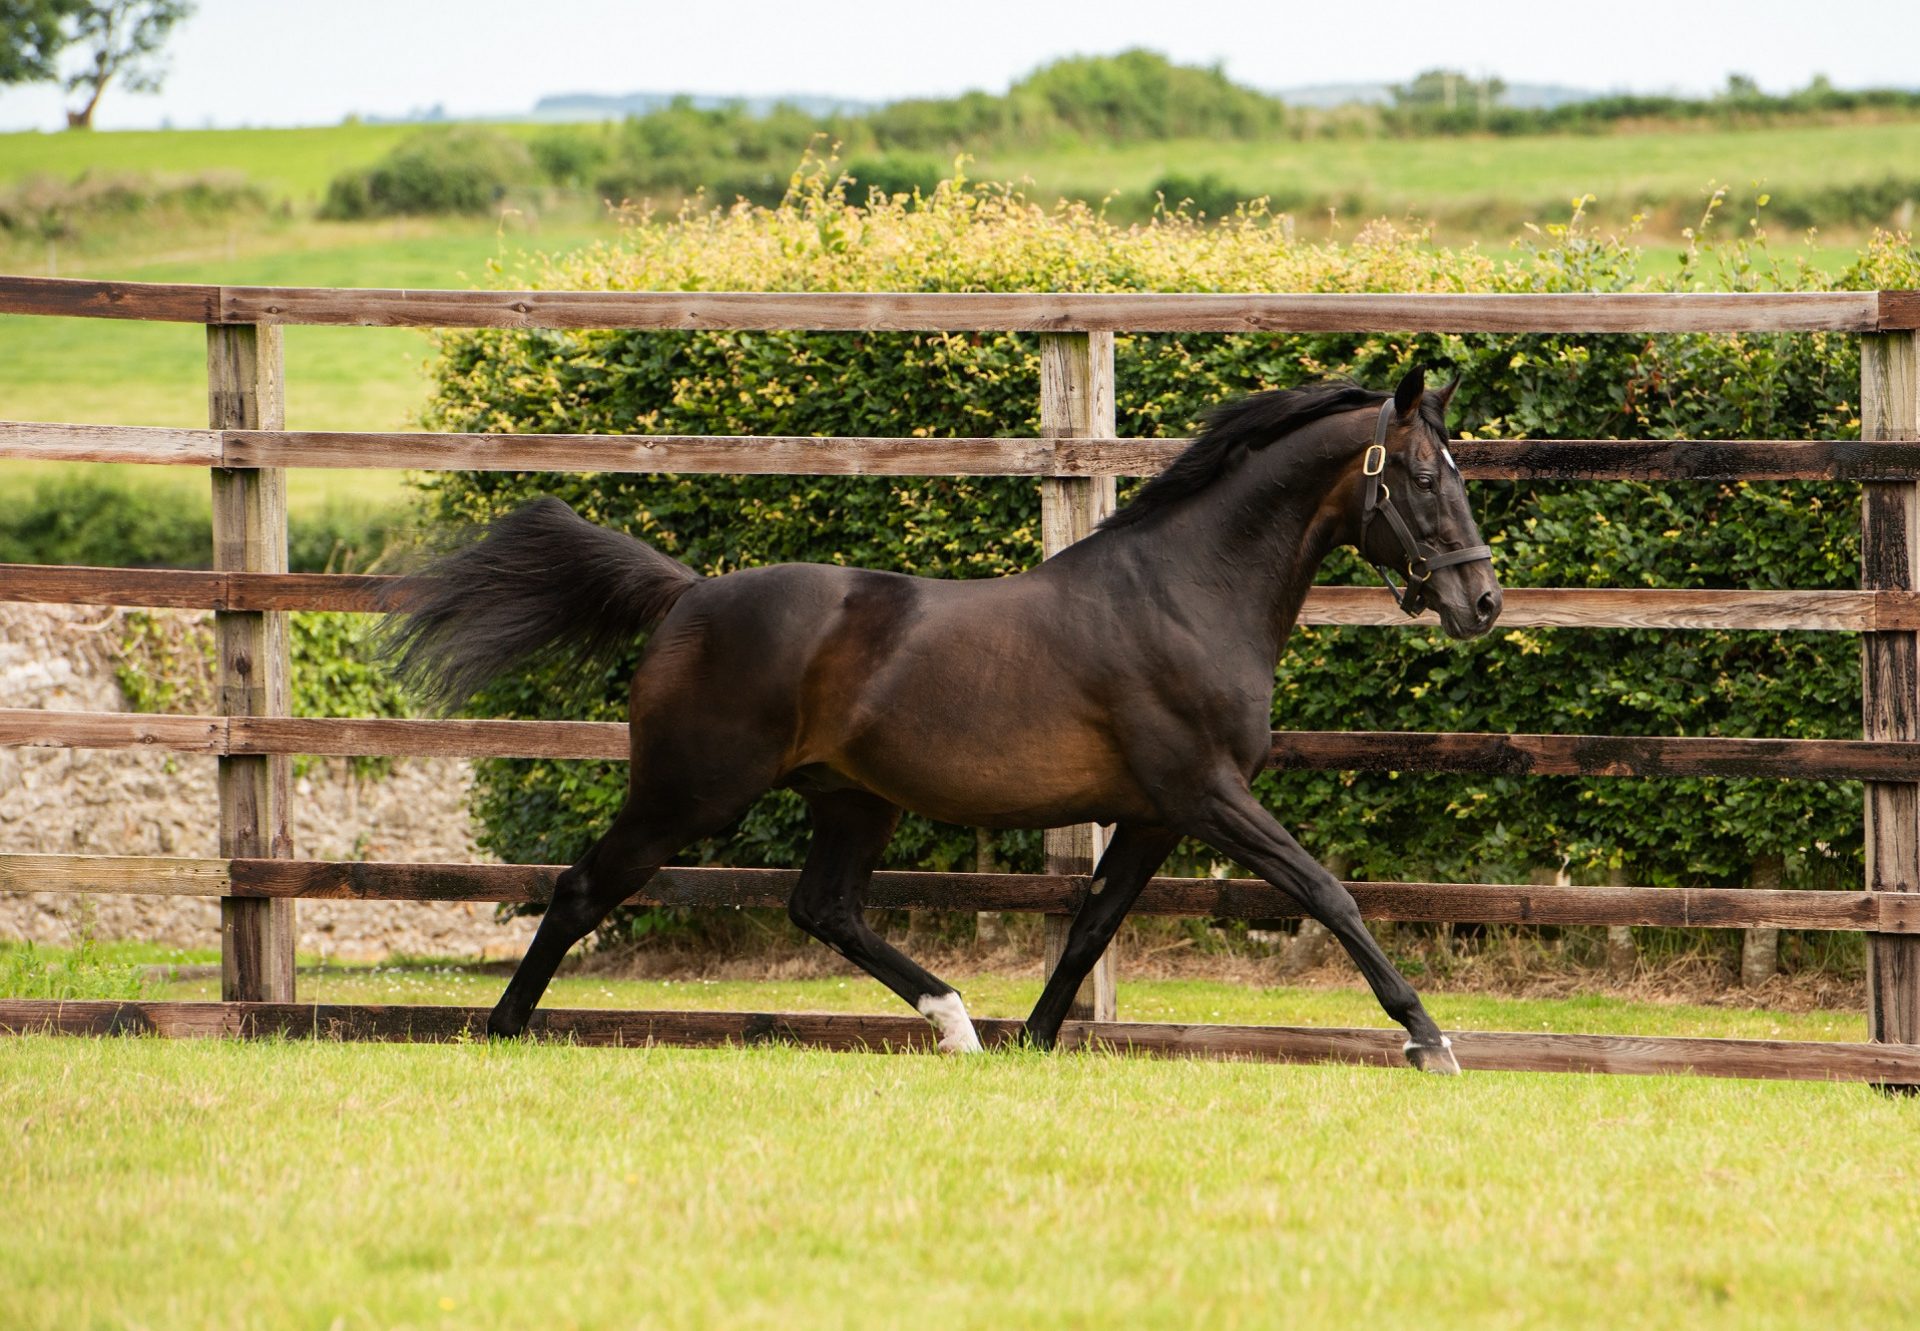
[
  {"x": 1375, "y": 460},
  {"x": 1425, "y": 573}
]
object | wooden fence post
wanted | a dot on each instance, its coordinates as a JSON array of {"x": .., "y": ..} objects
[
  {"x": 245, "y": 391},
  {"x": 1076, "y": 402},
  {"x": 1890, "y": 678}
]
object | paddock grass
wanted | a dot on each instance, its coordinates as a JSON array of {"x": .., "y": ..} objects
[
  {"x": 293, "y": 1183},
  {"x": 303, "y": 1184}
]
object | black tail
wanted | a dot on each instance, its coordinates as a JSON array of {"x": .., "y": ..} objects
[{"x": 541, "y": 583}]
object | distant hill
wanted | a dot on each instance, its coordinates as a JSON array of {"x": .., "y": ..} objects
[
  {"x": 1526, "y": 96},
  {"x": 614, "y": 106}
]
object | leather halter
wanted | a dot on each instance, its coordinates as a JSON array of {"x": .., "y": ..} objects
[{"x": 1378, "y": 502}]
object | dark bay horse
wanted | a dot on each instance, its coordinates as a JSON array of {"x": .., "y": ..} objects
[{"x": 1127, "y": 681}]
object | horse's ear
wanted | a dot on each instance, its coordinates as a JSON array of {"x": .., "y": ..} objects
[
  {"x": 1407, "y": 396},
  {"x": 1446, "y": 393}
]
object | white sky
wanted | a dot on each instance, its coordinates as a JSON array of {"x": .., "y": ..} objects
[{"x": 289, "y": 62}]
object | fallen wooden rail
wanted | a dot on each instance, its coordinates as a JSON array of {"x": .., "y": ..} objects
[
  {"x": 1478, "y": 1051},
  {"x": 1050, "y": 894},
  {"x": 1525, "y": 607},
  {"x": 910, "y": 455}
]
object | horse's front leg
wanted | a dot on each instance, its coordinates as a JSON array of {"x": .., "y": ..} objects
[
  {"x": 1234, "y": 822},
  {"x": 1125, "y": 868}
]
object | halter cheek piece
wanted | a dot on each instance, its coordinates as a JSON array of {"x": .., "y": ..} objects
[{"x": 1378, "y": 502}]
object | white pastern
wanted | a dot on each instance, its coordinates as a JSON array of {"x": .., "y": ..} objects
[{"x": 949, "y": 1016}]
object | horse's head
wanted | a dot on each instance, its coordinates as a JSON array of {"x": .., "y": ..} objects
[{"x": 1414, "y": 518}]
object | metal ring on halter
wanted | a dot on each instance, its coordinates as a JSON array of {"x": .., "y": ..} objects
[{"x": 1375, "y": 461}]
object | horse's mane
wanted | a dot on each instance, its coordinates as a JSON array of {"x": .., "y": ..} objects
[{"x": 1245, "y": 423}]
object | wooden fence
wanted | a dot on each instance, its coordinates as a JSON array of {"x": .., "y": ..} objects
[{"x": 1075, "y": 459}]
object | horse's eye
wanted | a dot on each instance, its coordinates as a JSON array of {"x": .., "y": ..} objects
[{"x": 1424, "y": 481}]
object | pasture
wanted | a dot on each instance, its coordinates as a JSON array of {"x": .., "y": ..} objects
[{"x": 230, "y": 1184}]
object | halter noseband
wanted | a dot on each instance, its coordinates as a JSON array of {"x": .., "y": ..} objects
[{"x": 1378, "y": 501}]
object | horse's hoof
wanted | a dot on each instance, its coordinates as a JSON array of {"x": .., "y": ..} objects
[
  {"x": 949, "y": 1017},
  {"x": 1435, "y": 1058},
  {"x": 498, "y": 1029}
]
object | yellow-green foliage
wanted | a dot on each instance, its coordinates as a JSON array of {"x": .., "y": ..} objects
[{"x": 969, "y": 237}]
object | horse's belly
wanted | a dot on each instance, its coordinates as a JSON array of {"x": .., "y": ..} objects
[{"x": 1021, "y": 779}]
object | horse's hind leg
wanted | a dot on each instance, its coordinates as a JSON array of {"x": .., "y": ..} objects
[
  {"x": 616, "y": 867},
  {"x": 851, "y": 831},
  {"x": 649, "y": 830}
]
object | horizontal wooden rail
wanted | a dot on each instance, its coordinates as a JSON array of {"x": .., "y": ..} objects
[
  {"x": 1478, "y": 1051},
  {"x": 1525, "y": 607},
  {"x": 1317, "y": 750},
  {"x": 1057, "y": 312},
  {"x": 1047, "y": 894},
  {"x": 808, "y": 455}
]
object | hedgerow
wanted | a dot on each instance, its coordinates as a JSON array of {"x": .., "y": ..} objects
[{"x": 969, "y": 237}]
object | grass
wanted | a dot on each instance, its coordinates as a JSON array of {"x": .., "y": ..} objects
[
  {"x": 306, "y": 1184},
  {"x": 1519, "y": 174},
  {"x": 289, "y": 1183},
  {"x": 292, "y": 164}
]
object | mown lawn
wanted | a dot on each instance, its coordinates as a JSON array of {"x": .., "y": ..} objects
[
  {"x": 294, "y": 1184},
  {"x": 290, "y": 1183}
]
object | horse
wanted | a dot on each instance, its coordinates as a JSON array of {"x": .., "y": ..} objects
[{"x": 1128, "y": 680}]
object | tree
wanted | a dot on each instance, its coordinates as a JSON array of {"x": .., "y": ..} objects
[
  {"x": 31, "y": 35},
  {"x": 1444, "y": 88},
  {"x": 122, "y": 39}
]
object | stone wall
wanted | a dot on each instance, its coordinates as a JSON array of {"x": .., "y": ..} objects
[{"x": 110, "y": 802}]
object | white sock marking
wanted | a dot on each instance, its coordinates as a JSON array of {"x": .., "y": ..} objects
[{"x": 949, "y": 1016}]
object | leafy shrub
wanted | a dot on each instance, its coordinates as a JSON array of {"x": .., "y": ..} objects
[
  {"x": 894, "y": 173},
  {"x": 82, "y": 519},
  {"x": 971, "y": 238},
  {"x": 43, "y": 208},
  {"x": 464, "y": 169},
  {"x": 571, "y": 155}
]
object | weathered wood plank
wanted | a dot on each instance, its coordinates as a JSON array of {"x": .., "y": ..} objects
[
  {"x": 119, "y": 875},
  {"x": 196, "y": 589},
  {"x": 742, "y": 455},
  {"x": 32, "y": 727},
  {"x": 1899, "y": 310},
  {"x": 1372, "y": 751},
  {"x": 1077, "y": 396},
  {"x": 1595, "y": 755},
  {"x": 806, "y": 455},
  {"x": 1526, "y": 607},
  {"x": 1050, "y": 894},
  {"x": 927, "y": 311},
  {"x": 377, "y": 737},
  {"x": 1478, "y": 1051},
  {"x": 246, "y": 389},
  {"x": 159, "y": 302},
  {"x": 1686, "y": 459},
  {"x": 45, "y": 441},
  {"x": 1637, "y": 608},
  {"x": 1890, "y": 678}
]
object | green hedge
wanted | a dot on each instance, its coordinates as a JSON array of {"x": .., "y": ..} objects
[{"x": 974, "y": 238}]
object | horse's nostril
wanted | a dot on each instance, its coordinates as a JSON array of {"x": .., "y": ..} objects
[{"x": 1488, "y": 605}]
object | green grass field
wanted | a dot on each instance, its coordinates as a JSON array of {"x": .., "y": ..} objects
[
  {"x": 306, "y": 1184},
  {"x": 294, "y": 164},
  {"x": 1542, "y": 170}
]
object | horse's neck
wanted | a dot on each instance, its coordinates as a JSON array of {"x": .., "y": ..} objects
[{"x": 1245, "y": 549}]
